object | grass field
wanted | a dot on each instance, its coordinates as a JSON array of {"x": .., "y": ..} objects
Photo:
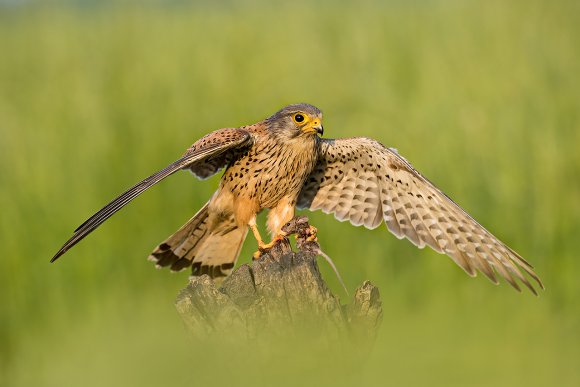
[{"x": 483, "y": 97}]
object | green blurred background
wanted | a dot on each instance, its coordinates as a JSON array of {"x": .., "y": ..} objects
[{"x": 483, "y": 97}]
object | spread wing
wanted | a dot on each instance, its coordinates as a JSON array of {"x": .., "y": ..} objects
[
  {"x": 204, "y": 157},
  {"x": 360, "y": 180}
]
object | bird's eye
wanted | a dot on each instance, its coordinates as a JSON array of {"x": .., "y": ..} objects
[{"x": 298, "y": 117}]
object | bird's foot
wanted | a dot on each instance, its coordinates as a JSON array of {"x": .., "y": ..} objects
[
  {"x": 305, "y": 234},
  {"x": 264, "y": 247},
  {"x": 311, "y": 234}
]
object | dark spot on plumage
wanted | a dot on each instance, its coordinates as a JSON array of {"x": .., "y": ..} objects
[
  {"x": 165, "y": 258},
  {"x": 227, "y": 266},
  {"x": 215, "y": 271},
  {"x": 180, "y": 264}
]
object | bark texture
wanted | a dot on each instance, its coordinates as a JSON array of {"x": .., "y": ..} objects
[{"x": 281, "y": 294}]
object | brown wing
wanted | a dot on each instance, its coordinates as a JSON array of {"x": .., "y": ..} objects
[
  {"x": 360, "y": 180},
  {"x": 214, "y": 146},
  {"x": 214, "y": 163}
]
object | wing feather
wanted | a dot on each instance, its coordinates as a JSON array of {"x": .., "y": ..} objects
[
  {"x": 360, "y": 180},
  {"x": 216, "y": 145}
]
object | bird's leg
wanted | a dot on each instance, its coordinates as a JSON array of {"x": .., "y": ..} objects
[
  {"x": 277, "y": 217},
  {"x": 255, "y": 231},
  {"x": 257, "y": 235},
  {"x": 261, "y": 245},
  {"x": 276, "y": 239}
]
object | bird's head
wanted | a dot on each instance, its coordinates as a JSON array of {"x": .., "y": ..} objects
[{"x": 296, "y": 120}]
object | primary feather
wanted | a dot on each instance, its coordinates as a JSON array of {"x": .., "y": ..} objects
[{"x": 362, "y": 181}]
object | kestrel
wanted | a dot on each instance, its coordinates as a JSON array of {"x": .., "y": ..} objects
[{"x": 280, "y": 164}]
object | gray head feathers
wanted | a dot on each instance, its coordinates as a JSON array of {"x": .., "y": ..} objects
[{"x": 298, "y": 107}]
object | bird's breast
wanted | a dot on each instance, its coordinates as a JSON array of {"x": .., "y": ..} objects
[{"x": 270, "y": 171}]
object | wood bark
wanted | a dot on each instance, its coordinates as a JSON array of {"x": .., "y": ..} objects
[{"x": 282, "y": 294}]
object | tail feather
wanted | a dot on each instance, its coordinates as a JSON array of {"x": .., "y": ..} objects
[
  {"x": 213, "y": 252},
  {"x": 170, "y": 251},
  {"x": 219, "y": 252}
]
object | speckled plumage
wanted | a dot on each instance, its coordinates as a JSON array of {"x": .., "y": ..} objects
[{"x": 279, "y": 164}]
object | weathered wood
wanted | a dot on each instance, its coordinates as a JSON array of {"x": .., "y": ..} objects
[{"x": 280, "y": 294}]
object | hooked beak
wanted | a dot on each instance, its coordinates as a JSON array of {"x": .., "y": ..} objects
[{"x": 315, "y": 127}]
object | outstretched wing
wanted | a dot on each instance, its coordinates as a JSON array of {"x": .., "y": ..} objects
[
  {"x": 360, "y": 180},
  {"x": 207, "y": 154}
]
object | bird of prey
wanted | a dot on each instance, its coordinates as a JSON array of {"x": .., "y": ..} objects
[{"x": 282, "y": 163}]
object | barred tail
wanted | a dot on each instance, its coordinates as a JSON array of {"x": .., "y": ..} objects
[{"x": 212, "y": 252}]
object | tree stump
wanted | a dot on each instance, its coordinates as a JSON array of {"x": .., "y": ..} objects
[{"x": 282, "y": 294}]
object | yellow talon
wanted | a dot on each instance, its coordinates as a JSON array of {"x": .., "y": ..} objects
[
  {"x": 312, "y": 234},
  {"x": 262, "y": 247},
  {"x": 276, "y": 239}
]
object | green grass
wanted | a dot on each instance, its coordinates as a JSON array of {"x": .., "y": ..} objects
[{"x": 481, "y": 96}]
